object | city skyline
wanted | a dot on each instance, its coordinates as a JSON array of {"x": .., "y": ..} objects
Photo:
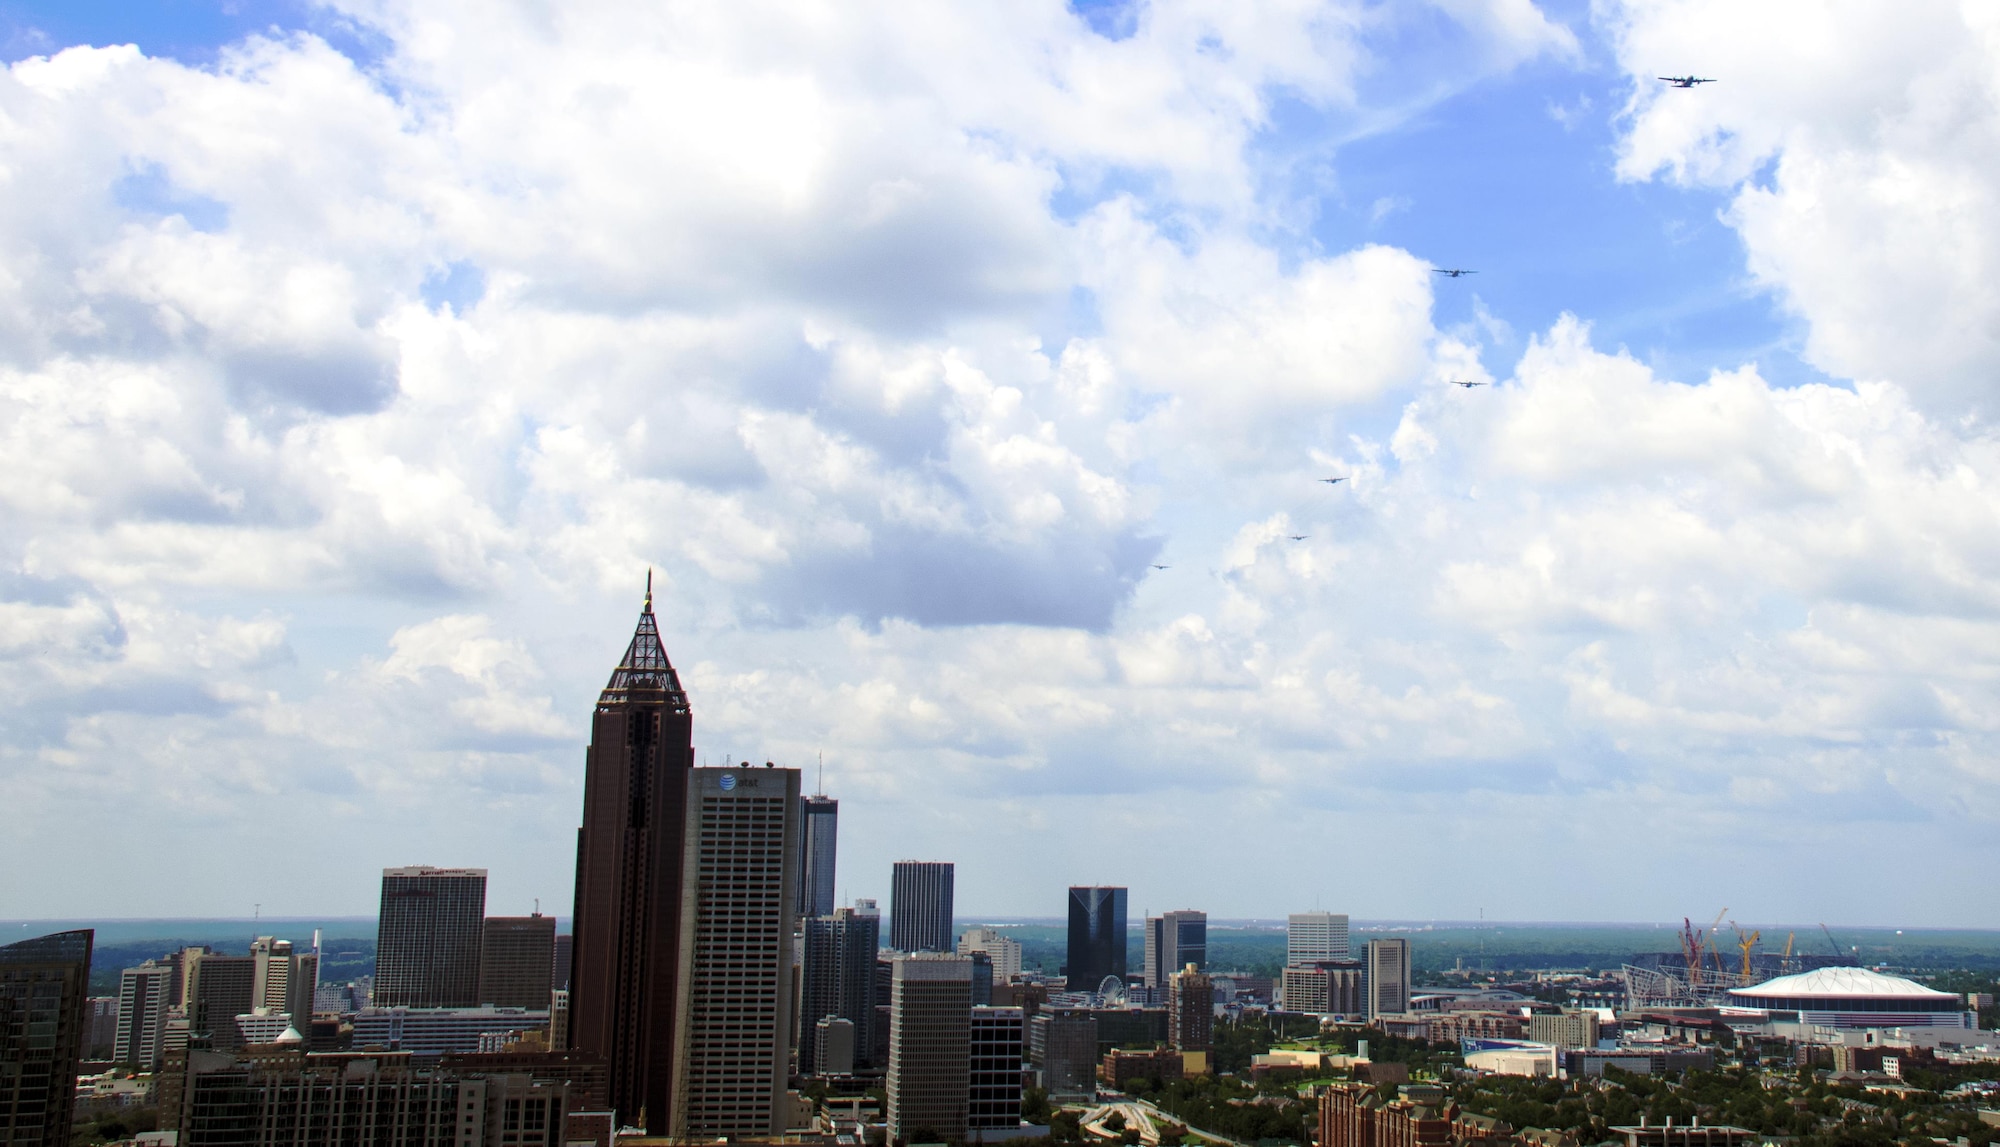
[{"x": 1042, "y": 411}]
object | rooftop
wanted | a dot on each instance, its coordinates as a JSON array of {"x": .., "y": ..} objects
[{"x": 1824, "y": 983}]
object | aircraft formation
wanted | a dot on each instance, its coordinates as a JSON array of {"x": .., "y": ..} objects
[{"x": 1685, "y": 82}]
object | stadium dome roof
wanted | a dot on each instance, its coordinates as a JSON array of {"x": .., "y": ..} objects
[{"x": 1840, "y": 983}]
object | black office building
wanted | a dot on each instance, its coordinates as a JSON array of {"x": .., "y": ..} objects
[
  {"x": 1096, "y": 936},
  {"x": 920, "y": 906},
  {"x": 838, "y": 981},
  {"x": 43, "y": 984}
]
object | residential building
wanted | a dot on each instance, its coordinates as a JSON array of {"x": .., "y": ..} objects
[
  {"x": 141, "y": 1034},
  {"x": 1570, "y": 1029},
  {"x": 838, "y": 982},
  {"x": 994, "y": 1075},
  {"x": 220, "y": 988},
  {"x": 820, "y": 832},
  {"x": 1352, "y": 1115},
  {"x": 1191, "y": 1010},
  {"x": 1325, "y": 988},
  {"x": 627, "y": 926},
  {"x": 516, "y": 954},
  {"x": 1453, "y": 1026},
  {"x": 1388, "y": 972},
  {"x": 1097, "y": 939},
  {"x": 283, "y": 979},
  {"x": 920, "y": 902},
  {"x": 427, "y": 937},
  {"x": 559, "y": 1019},
  {"x": 1062, "y": 1045},
  {"x": 1173, "y": 940},
  {"x": 930, "y": 1048},
  {"x": 1005, "y": 953},
  {"x": 731, "y": 1052},
  {"x": 100, "y": 1027},
  {"x": 43, "y": 983},
  {"x": 833, "y": 1044},
  {"x": 1315, "y": 937}
]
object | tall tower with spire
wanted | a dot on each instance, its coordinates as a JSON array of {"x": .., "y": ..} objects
[{"x": 627, "y": 922}]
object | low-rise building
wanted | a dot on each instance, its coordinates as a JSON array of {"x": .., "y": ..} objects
[
  {"x": 294, "y": 1099},
  {"x": 1353, "y": 1115},
  {"x": 1121, "y": 1066},
  {"x": 436, "y": 1031},
  {"x": 1637, "y": 1061}
]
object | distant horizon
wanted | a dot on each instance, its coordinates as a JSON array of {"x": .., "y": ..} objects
[{"x": 1058, "y": 921}]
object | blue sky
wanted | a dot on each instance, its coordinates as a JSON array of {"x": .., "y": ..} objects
[
  {"x": 904, "y": 347},
  {"x": 1512, "y": 175}
]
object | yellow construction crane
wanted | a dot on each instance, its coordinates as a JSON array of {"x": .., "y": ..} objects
[{"x": 1746, "y": 943}]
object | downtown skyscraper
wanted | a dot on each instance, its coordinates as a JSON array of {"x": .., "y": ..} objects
[
  {"x": 427, "y": 937},
  {"x": 838, "y": 981},
  {"x": 816, "y": 856},
  {"x": 920, "y": 905},
  {"x": 734, "y": 1002},
  {"x": 1173, "y": 940},
  {"x": 630, "y": 853},
  {"x": 1097, "y": 940}
]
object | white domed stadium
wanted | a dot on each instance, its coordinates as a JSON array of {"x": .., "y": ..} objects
[{"x": 1854, "y": 998}]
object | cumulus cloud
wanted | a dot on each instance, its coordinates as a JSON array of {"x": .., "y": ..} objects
[
  {"x": 1858, "y": 140},
  {"x": 341, "y": 408}
]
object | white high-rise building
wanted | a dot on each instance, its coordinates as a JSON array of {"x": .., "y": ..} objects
[
  {"x": 1315, "y": 938},
  {"x": 739, "y": 904},
  {"x": 1005, "y": 953},
  {"x": 142, "y": 1014}
]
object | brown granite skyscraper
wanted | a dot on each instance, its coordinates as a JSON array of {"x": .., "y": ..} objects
[{"x": 628, "y": 878}]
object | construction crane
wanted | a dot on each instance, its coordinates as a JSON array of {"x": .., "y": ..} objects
[
  {"x": 1713, "y": 926},
  {"x": 1832, "y": 943},
  {"x": 1694, "y": 939},
  {"x": 1746, "y": 943},
  {"x": 1785, "y": 963}
]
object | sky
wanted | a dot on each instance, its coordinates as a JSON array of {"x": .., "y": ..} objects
[{"x": 965, "y": 376}]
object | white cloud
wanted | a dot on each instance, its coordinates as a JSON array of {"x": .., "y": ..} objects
[
  {"x": 903, "y": 342},
  {"x": 1858, "y": 139}
]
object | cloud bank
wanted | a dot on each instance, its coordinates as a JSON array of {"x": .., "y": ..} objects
[{"x": 343, "y": 407}]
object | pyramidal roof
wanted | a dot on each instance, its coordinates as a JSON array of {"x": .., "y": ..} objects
[{"x": 645, "y": 669}]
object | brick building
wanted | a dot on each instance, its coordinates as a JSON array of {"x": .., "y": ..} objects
[{"x": 1120, "y": 1067}]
